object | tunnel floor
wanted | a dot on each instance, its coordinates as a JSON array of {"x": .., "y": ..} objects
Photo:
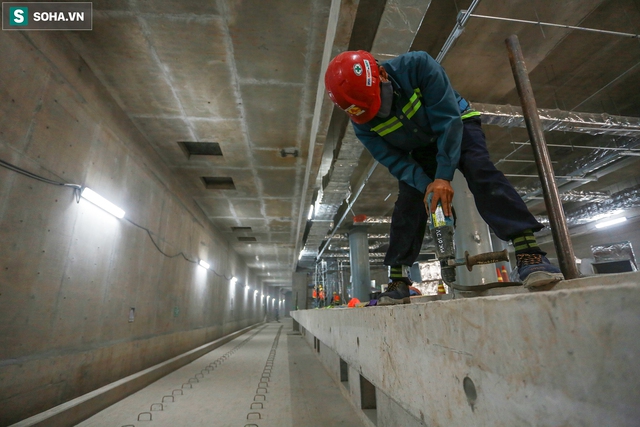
[{"x": 267, "y": 377}]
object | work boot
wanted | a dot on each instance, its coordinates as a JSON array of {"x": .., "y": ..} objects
[
  {"x": 397, "y": 293},
  {"x": 535, "y": 270}
]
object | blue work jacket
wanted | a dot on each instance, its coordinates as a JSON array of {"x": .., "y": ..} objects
[{"x": 426, "y": 110}]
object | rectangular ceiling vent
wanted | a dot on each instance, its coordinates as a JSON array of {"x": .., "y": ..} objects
[
  {"x": 247, "y": 239},
  {"x": 240, "y": 228},
  {"x": 200, "y": 148},
  {"x": 218, "y": 183}
]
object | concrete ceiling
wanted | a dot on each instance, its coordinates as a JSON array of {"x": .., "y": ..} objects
[{"x": 246, "y": 75}]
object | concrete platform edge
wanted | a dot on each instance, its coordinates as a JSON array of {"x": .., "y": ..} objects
[{"x": 559, "y": 357}]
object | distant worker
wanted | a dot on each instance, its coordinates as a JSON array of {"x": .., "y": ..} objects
[
  {"x": 321, "y": 297},
  {"x": 413, "y": 122},
  {"x": 335, "y": 299},
  {"x": 314, "y": 294}
]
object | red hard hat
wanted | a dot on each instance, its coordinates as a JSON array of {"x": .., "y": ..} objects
[{"x": 353, "y": 84}]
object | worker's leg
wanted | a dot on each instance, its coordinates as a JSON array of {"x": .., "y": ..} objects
[
  {"x": 502, "y": 208},
  {"x": 408, "y": 223},
  {"x": 497, "y": 201}
]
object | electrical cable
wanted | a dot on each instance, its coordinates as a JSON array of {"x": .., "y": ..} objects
[
  {"x": 158, "y": 247},
  {"x": 77, "y": 189}
]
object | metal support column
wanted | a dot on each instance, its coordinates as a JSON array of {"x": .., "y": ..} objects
[
  {"x": 359, "y": 259},
  {"x": 557, "y": 219},
  {"x": 471, "y": 234}
]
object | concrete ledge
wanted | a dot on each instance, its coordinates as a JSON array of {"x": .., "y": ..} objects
[
  {"x": 568, "y": 357},
  {"x": 83, "y": 407}
]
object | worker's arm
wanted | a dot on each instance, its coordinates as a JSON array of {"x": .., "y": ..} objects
[
  {"x": 443, "y": 112},
  {"x": 399, "y": 162},
  {"x": 443, "y": 192}
]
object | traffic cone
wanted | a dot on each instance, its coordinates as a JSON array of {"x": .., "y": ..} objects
[
  {"x": 500, "y": 279},
  {"x": 505, "y": 275},
  {"x": 441, "y": 290}
]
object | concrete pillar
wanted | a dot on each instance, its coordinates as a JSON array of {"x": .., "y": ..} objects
[
  {"x": 471, "y": 234},
  {"x": 359, "y": 258},
  {"x": 332, "y": 278},
  {"x": 288, "y": 301}
]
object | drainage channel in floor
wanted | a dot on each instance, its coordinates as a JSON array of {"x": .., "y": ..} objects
[
  {"x": 260, "y": 397},
  {"x": 194, "y": 380}
]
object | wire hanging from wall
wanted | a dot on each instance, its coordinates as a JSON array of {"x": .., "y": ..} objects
[{"x": 77, "y": 189}]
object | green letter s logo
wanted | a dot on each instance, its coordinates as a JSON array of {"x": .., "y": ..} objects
[{"x": 19, "y": 16}]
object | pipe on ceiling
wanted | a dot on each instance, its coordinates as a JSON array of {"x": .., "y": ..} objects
[
  {"x": 461, "y": 22},
  {"x": 561, "y": 120},
  {"x": 549, "y": 24}
]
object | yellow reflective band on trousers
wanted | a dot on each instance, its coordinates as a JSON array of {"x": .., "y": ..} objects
[{"x": 394, "y": 123}]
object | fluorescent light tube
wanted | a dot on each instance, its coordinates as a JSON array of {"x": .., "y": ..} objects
[
  {"x": 611, "y": 222},
  {"x": 101, "y": 202},
  {"x": 203, "y": 264},
  {"x": 233, "y": 280}
]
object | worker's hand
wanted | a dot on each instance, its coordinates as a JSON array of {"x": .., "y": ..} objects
[{"x": 443, "y": 192}]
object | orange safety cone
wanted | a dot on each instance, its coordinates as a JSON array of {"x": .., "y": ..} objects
[
  {"x": 505, "y": 275},
  {"x": 500, "y": 279},
  {"x": 441, "y": 290}
]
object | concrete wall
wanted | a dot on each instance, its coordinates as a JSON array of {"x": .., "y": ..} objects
[
  {"x": 388, "y": 413},
  {"x": 69, "y": 272}
]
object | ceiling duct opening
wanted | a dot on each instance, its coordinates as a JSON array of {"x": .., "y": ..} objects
[
  {"x": 200, "y": 148},
  {"x": 247, "y": 239},
  {"x": 218, "y": 183},
  {"x": 240, "y": 229}
]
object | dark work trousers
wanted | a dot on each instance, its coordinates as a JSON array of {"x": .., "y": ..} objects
[{"x": 497, "y": 201}]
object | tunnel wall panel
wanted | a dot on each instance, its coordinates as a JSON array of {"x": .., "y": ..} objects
[{"x": 69, "y": 272}]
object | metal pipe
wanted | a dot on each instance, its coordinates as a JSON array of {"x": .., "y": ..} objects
[
  {"x": 348, "y": 209},
  {"x": 568, "y": 178},
  {"x": 560, "y": 120},
  {"x": 461, "y": 21},
  {"x": 624, "y": 150},
  {"x": 557, "y": 220},
  {"x": 548, "y": 24},
  {"x": 334, "y": 13}
]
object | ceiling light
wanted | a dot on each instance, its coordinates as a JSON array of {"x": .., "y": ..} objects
[
  {"x": 101, "y": 202},
  {"x": 310, "y": 213},
  {"x": 204, "y": 264},
  {"x": 247, "y": 287},
  {"x": 611, "y": 222},
  {"x": 233, "y": 280}
]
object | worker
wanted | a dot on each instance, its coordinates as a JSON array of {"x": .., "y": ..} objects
[
  {"x": 315, "y": 297},
  {"x": 412, "y": 121},
  {"x": 321, "y": 297},
  {"x": 335, "y": 299}
]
